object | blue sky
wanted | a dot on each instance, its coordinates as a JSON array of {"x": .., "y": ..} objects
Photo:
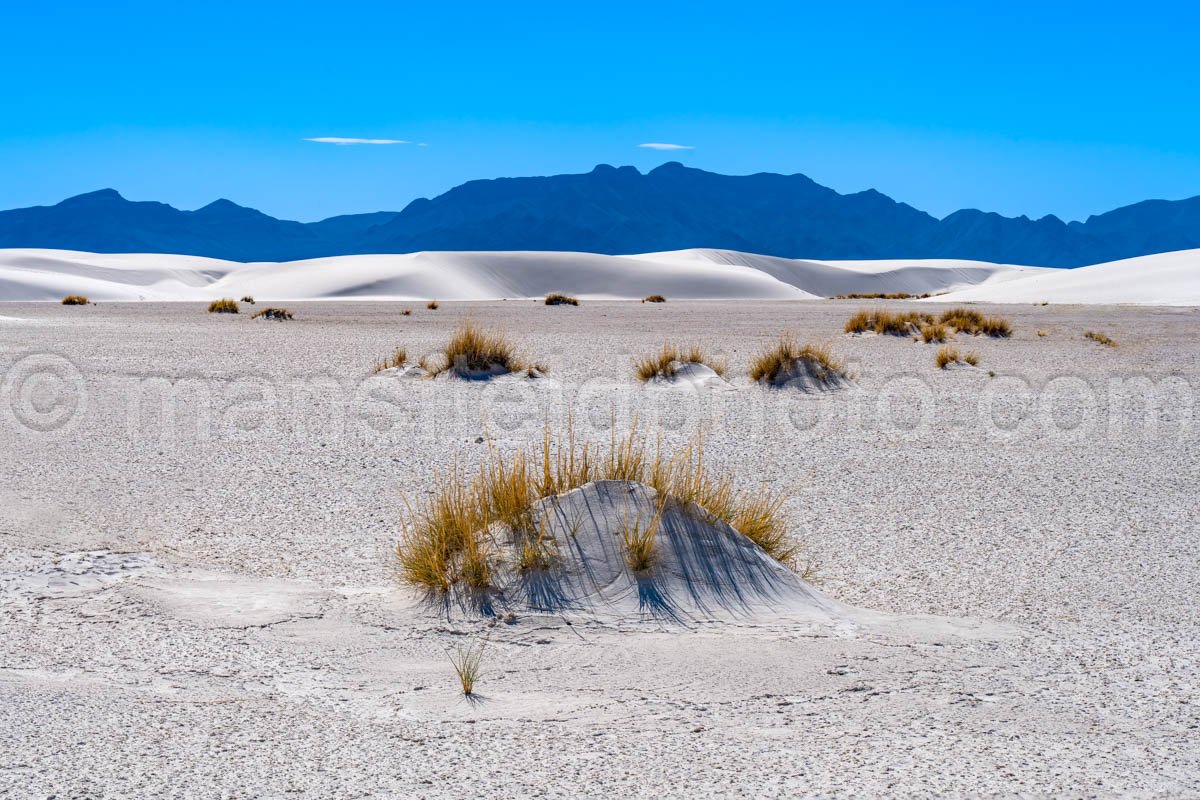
[{"x": 1069, "y": 108}]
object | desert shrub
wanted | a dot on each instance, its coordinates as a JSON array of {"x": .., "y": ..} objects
[
  {"x": 74, "y": 300},
  {"x": 882, "y": 296},
  {"x": 248, "y": 299},
  {"x": 890, "y": 323},
  {"x": 472, "y": 349},
  {"x": 398, "y": 358},
  {"x": 406, "y": 312},
  {"x": 661, "y": 363},
  {"x": 273, "y": 313},
  {"x": 948, "y": 354},
  {"x": 450, "y": 538},
  {"x": 432, "y": 305},
  {"x": 787, "y": 351},
  {"x": 1097, "y": 336},
  {"x": 935, "y": 332},
  {"x": 969, "y": 320},
  {"x": 654, "y": 298},
  {"x": 223, "y": 306},
  {"x": 558, "y": 299}
]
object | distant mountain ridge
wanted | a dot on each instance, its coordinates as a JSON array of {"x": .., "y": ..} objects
[{"x": 615, "y": 210}]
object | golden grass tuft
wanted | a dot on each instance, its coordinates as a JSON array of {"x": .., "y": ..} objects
[
  {"x": 559, "y": 299},
  {"x": 934, "y": 332},
  {"x": 654, "y": 298},
  {"x": 889, "y": 323},
  {"x": 969, "y": 320},
  {"x": 640, "y": 543},
  {"x": 468, "y": 665},
  {"x": 949, "y": 354},
  {"x": 1104, "y": 339},
  {"x": 472, "y": 349},
  {"x": 398, "y": 358},
  {"x": 432, "y": 305},
  {"x": 75, "y": 300},
  {"x": 451, "y": 539},
  {"x": 223, "y": 306},
  {"x": 661, "y": 363},
  {"x": 1041, "y": 333},
  {"x": 248, "y": 299},
  {"x": 273, "y": 313},
  {"x": 787, "y": 351}
]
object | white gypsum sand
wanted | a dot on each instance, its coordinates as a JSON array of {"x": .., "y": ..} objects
[{"x": 198, "y": 595}]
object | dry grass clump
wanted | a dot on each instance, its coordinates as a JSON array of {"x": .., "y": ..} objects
[
  {"x": 432, "y": 305},
  {"x": 559, "y": 299},
  {"x": 472, "y": 349},
  {"x": 654, "y": 298},
  {"x": 453, "y": 539},
  {"x": 884, "y": 322},
  {"x": 407, "y": 312},
  {"x": 882, "y": 296},
  {"x": 665, "y": 362},
  {"x": 935, "y": 332},
  {"x": 398, "y": 358},
  {"x": 75, "y": 300},
  {"x": 273, "y": 313},
  {"x": 969, "y": 320},
  {"x": 641, "y": 549},
  {"x": 1097, "y": 336},
  {"x": 468, "y": 664},
  {"x": 948, "y": 354},
  {"x": 248, "y": 299},
  {"x": 1041, "y": 334},
  {"x": 787, "y": 351},
  {"x": 223, "y": 306}
]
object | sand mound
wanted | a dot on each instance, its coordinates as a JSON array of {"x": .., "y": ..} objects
[
  {"x": 688, "y": 374},
  {"x": 808, "y": 375},
  {"x": 703, "y": 569}
]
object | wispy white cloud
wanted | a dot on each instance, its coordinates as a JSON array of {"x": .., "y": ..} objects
[
  {"x": 666, "y": 146},
  {"x": 345, "y": 140}
]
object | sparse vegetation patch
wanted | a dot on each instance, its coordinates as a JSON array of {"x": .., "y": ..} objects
[
  {"x": 475, "y": 352},
  {"x": 398, "y": 358},
  {"x": 75, "y": 300},
  {"x": 1104, "y": 339},
  {"x": 949, "y": 354},
  {"x": 223, "y": 306},
  {"x": 248, "y": 299},
  {"x": 882, "y": 296},
  {"x": 280, "y": 314},
  {"x": 470, "y": 528},
  {"x": 671, "y": 358},
  {"x": 969, "y": 320},
  {"x": 890, "y": 323},
  {"x": 432, "y": 305},
  {"x": 654, "y": 298},
  {"x": 558, "y": 299},
  {"x": 788, "y": 358}
]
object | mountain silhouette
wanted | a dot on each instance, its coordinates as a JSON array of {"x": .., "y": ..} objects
[{"x": 615, "y": 210}]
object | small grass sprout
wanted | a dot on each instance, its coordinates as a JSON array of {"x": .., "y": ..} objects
[{"x": 468, "y": 665}]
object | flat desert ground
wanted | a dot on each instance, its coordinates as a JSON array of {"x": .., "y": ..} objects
[{"x": 198, "y": 594}]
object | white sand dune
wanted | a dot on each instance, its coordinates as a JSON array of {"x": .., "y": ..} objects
[
  {"x": 1171, "y": 279},
  {"x": 699, "y": 274}
]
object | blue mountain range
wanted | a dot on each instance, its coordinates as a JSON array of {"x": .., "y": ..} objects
[{"x": 615, "y": 210}]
